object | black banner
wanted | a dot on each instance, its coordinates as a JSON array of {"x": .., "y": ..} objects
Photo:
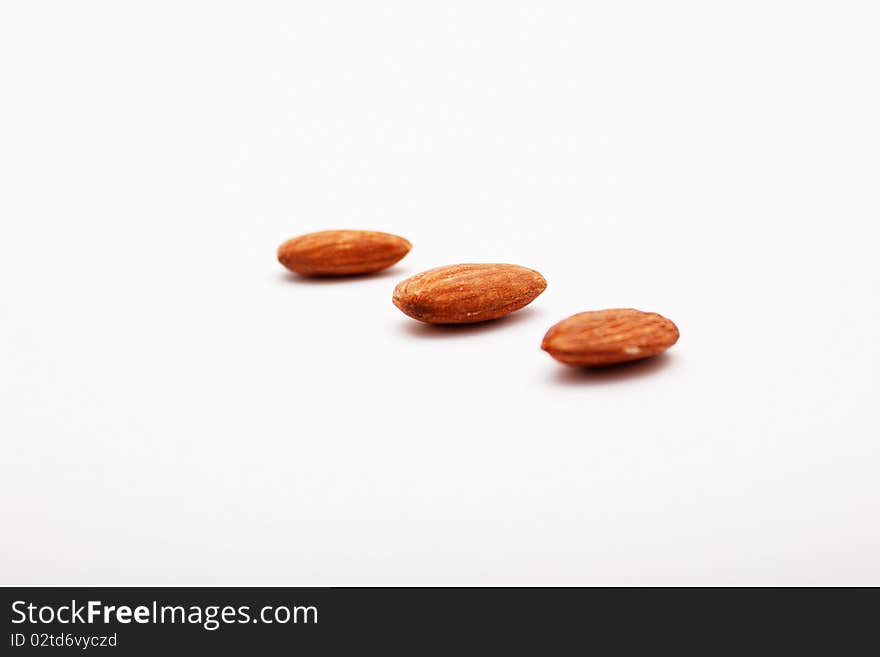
[{"x": 150, "y": 621}]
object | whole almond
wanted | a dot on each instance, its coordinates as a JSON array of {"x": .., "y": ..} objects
[
  {"x": 342, "y": 252},
  {"x": 462, "y": 294},
  {"x": 605, "y": 337}
]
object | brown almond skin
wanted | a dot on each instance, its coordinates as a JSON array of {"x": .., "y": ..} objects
[
  {"x": 342, "y": 252},
  {"x": 468, "y": 293},
  {"x": 606, "y": 337}
]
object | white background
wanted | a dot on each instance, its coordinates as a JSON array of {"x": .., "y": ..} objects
[{"x": 178, "y": 410}]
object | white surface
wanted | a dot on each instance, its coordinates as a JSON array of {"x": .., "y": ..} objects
[{"x": 178, "y": 410}]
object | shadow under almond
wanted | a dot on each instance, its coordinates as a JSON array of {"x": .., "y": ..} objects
[
  {"x": 610, "y": 374},
  {"x": 417, "y": 329}
]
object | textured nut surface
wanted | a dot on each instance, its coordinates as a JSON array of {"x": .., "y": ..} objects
[
  {"x": 605, "y": 337},
  {"x": 342, "y": 252},
  {"x": 462, "y": 294}
]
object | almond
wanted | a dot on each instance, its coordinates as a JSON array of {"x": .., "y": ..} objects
[
  {"x": 462, "y": 294},
  {"x": 605, "y": 337},
  {"x": 342, "y": 252}
]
